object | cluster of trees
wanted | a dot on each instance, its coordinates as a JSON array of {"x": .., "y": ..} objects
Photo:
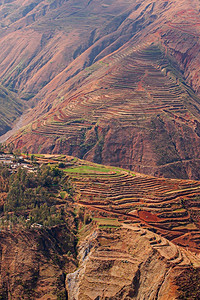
[
  {"x": 31, "y": 196},
  {"x": 39, "y": 216},
  {"x": 4, "y": 178},
  {"x": 29, "y": 189},
  {"x": 9, "y": 148}
]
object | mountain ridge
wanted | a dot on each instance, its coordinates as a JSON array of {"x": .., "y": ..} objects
[
  {"x": 103, "y": 102},
  {"x": 63, "y": 63}
]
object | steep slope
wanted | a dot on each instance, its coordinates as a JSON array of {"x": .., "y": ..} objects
[
  {"x": 37, "y": 233},
  {"x": 114, "y": 80},
  {"x": 49, "y": 36},
  {"x": 137, "y": 113},
  {"x": 34, "y": 263},
  {"x": 11, "y": 107},
  {"x": 126, "y": 263},
  {"x": 72, "y": 229}
]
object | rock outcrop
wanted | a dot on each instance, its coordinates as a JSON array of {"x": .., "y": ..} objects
[{"x": 127, "y": 263}]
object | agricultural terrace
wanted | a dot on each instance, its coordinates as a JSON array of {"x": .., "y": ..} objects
[{"x": 167, "y": 206}]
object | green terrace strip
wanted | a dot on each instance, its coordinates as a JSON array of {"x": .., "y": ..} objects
[
  {"x": 168, "y": 206},
  {"x": 90, "y": 169}
]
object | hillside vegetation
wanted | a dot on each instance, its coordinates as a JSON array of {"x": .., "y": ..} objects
[
  {"x": 11, "y": 107},
  {"x": 99, "y": 190},
  {"x": 57, "y": 210}
]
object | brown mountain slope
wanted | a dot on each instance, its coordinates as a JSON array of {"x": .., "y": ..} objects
[
  {"x": 169, "y": 207},
  {"x": 133, "y": 107},
  {"x": 109, "y": 242},
  {"x": 127, "y": 263},
  {"x": 34, "y": 263},
  {"x": 40, "y": 39}
]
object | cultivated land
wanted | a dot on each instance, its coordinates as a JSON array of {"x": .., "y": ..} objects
[
  {"x": 112, "y": 83},
  {"x": 57, "y": 210},
  {"x": 93, "y": 209},
  {"x": 139, "y": 115},
  {"x": 167, "y": 206}
]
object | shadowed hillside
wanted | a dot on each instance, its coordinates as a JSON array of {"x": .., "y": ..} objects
[{"x": 11, "y": 107}]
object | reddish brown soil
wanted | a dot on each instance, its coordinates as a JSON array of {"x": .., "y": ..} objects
[
  {"x": 132, "y": 257},
  {"x": 102, "y": 90},
  {"x": 148, "y": 217},
  {"x": 151, "y": 130},
  {"x": 168, "y": 207},
  {"x": 33, "y": 264}
]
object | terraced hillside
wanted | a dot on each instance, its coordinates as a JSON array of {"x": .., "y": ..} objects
[
  {"x": 167, "y": 206},
  {"x": 112, "y": 82},
  {"x": 148, "y": 229},
  {"x": 170, "y": 207},
  {"x": 72, "y": 229},
  {"x": 137, "y": 113},
  {"x": 132, "y": 263},
  {"x": 51, "y": 35}
]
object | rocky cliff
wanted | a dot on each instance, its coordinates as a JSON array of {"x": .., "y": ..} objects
[
  {"x": 72, "y": 229},
  {"x": 128, "y": 263}
]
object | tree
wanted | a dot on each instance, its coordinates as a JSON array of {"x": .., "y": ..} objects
[
  {"x": 10, "y": 148},
  {"x": 1, "y": 148},
  {"x": 25, "y": 151},
  {"x": 32, "y": 158}
]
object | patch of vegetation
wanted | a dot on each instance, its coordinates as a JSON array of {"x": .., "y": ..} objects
[
  {"x": 63, "y": 194},
  {"x": 109, "y": 226},
  {"x": 11, "y": 108},
  {"x": 31, "y": 197},
  {"x": 180, "y": 210},
  {"x": 88, "y": 169}
]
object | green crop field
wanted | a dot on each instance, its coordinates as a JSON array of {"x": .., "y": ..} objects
[{"x": 88, "y": 169}]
